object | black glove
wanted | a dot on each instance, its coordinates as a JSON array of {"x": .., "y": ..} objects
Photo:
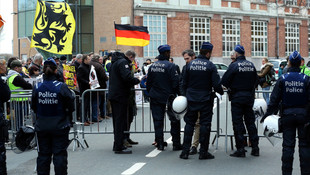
[{"x": 263, "y": 118}]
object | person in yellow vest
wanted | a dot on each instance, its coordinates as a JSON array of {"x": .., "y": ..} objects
[
  {"x": 303, "y": 68},
  {"x": 16, "y": 82}
]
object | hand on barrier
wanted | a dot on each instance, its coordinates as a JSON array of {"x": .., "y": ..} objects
[{"x": 263, "y": 118}]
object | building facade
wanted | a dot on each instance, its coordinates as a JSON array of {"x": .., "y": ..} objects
[{"x": 266, "y": 28}]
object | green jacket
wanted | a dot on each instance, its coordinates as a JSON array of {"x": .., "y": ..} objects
[{"x": 305, "y": 70}]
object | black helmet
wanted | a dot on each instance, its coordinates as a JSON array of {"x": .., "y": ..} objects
[{"x": 24, "y": 139}]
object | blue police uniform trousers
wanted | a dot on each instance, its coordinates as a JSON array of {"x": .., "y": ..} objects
[
  {"x": 119, "y": 111},
  {"x": 206, "y": 112},
  {"x": 2, "y": 158},
  {"x": 158, "y": 114},
  {"x": 53, "y": 144},
  {"x": 242, "y": 111},
  {"x": 289, "y": 125}
]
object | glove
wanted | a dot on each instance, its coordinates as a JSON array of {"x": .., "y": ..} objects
[{"x": 263, "y": 118}]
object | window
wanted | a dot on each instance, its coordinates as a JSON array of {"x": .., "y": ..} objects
[
  {"x": 291, "y": 38},
  {"x": 199, "y": 32},
  {"x": 309, "y": 41},
  {"x": 262, "y": 1},
  {"x": 157, "y": 26},
  {"x": 231, "y": 35},
  {"x": 308, "y": 3},
  {"x": 290, "y": 2},
  {"x": 259, "y": 38}
]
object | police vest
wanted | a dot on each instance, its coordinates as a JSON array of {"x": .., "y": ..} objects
[
  {"x": 294, "y": 90},
  {"x": 16, "y": 88}
]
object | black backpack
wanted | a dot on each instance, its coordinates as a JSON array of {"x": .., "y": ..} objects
[{"x": 271, "y": 76}]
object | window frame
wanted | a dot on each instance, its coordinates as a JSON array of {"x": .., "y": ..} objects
[
  {"x": 259, "y": 37},
  {"x": 233, "y": 35},
  {"x": 292, "y": 38},
  {"x": 203, "y": 34}
]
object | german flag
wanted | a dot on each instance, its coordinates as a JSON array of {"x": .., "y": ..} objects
[{"x": 131, "y": 35}]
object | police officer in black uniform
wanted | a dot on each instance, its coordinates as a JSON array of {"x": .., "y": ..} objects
[
  {"x": 53, "y": 103},
  {"x": 162, "y": 81},
  {"x": 292, "y": 92},
  {"x": 120, "y": 84},
  {"x": 5, "y": 95},
  {"x": 200, "y": 77},
  {"x": 241, "y": 81}
]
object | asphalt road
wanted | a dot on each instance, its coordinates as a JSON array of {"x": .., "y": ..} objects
[{"x": 100, "y": 159}]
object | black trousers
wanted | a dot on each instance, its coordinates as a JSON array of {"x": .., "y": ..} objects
[
  {"x": 53, "y": 144},
  {"x": 131, "y": 112},
  {"x": 119, "y": 111},
  {"x": 291, "y": 123},
  {"x": 158, "y": 114},
  {"x": 242, "y": 111},
  {"x": 206, "y": 112},
  {"x": 2, "y": 158}
]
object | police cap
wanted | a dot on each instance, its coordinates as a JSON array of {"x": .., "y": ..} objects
[
  {"x": 207, "y": 46},
  {"x": 295, "y": 57},
  {"x": 239, "y": 49},
  {"x": 50, "y": 61},
  {"x": 163, "y": 48}
]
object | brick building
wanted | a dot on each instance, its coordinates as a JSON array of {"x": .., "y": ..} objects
[{"x": 185, "y": 24}]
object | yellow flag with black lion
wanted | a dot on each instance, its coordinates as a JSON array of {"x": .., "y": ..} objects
[{"x": 54, "y": 27}]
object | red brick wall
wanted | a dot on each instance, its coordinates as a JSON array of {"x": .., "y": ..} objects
[
  {"x": 160, "y": 0},
  {"x": 253, "y": 6},
  {"x": 193, "y": 2},
  {"x": 216, "y": 35},
  {"x": 262, "y": 7},
  {"x": 178, "y": 33},
  {"x": 224, "y": 4},
  {"x": 138, "y": 22},
  {"x": 272, "y": 38},
  {"x": 245, "y": 26},
  {"x": 235, "y": 4},
  {"x": 303, "y": 31},
  {"x": 281, "y": 37},
  {"x": 204, "y": 2}
]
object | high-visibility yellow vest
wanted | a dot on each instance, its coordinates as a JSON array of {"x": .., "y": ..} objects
[
  {"x": 105, "y": 66},
  {"x": 13, "y": 87}
]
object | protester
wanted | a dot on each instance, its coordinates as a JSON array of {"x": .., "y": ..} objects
[
  {"x": 265, "y": 78},
  {"x": 53, "y": 103},
  {"x": 121, "y": 81}
]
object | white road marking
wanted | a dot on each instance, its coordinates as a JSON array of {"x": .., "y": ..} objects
[
  {"x": 153, "y": 153},
  {"x": 134, "y": 168}
]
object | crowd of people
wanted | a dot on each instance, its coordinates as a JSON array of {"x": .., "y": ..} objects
[{"x": 198, "y": 82}]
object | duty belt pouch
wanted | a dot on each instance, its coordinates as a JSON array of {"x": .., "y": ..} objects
[
  {"x": 280, "y": 125},
  {"x": 307, "y": 131}
]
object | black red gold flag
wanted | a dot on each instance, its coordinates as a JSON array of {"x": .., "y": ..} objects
[{"x": 131, "y": 35}]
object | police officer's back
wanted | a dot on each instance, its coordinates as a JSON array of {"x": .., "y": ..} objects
[
  {"x": 241, "y": 80},
  {"x": 200, "y": 77},
  {"x": 292, "y": 92},
  {"x": 163, "y": 81},
  {"x": 5, "y": 94},
  {"x": 53, "y": 103}
]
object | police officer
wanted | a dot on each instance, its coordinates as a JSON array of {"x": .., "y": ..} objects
[
  {"x": 292, "y": 91},
  {"x": 5, "y": 94},
  {"x": 53, "y": 103},
  {"x": 121, "y": 81},
  {"x": 200, "y": 77},
  {"x": 241, "y": 81},
  {"x": 162, "y": 81}
]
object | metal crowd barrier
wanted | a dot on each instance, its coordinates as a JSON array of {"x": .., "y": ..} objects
[{"x": 20, "y": 114}]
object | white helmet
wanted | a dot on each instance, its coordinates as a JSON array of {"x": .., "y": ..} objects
[
  {"x": 259, "y": 107},
  {"x": 271, "y": 125},
  {"x": 179, "y": 106}
]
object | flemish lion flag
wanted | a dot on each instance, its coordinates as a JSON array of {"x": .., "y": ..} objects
[
  {"x": 131, "y": 35},
  {"x": 54, "y": 27}
]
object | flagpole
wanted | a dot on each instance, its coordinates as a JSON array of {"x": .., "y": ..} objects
[{"x": 76, "y": 34}]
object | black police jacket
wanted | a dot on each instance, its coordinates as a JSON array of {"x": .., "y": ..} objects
[
  {"x": 121, "y": 79},
  {"x": 162, "y": 80},
  {"x": 53, "y": 103},
  {"x": 199, "y": 78},
  {"x": 241, "y": 80},
  {"x": 292, "y": 92},
  {"x": 5, "y": 95}
]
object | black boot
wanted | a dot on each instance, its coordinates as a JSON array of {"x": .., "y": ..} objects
[
  {"x": 239, "y": 153},
  {"x": 255, "y": 151},
  {"x": 160, "y": 144},
  {"x": 193, "y": 150},
  {"x": 184, "y": 155},
  {"x": 177, "y": 146},
  {"x": 205, "y": 155}
]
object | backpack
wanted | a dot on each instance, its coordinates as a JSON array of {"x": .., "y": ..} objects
[{"x": 271, "y": 76}]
